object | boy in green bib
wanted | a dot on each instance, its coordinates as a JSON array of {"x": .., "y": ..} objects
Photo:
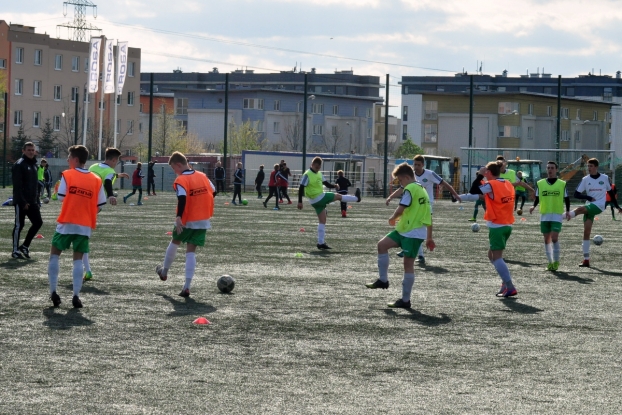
[
  {"x": 414, "y": 227},
  {"x": 312, "y": 186}
]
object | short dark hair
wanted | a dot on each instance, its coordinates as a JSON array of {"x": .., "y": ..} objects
[
  {"x": 79, "y": 151},
  {"x": 112, "y": 153},
  {"x": 593, "y": 161},
  {"x": 495, "y": 167},
  {"x": 317, "y": 160},
  {"x": 420, "y": 158},
  {"x": 500, "y": 158},
  {"x": 178, "y": 157},
  {"x": 553, "y": 162},
  {"x": 28, "y": 144},
  {"x": 403, "y": 169}
]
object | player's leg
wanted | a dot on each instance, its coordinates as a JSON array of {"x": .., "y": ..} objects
[
  {"x": 140, "y": 196},
  {"x": 34, "y": 215},
  {"x": 88, "y": 275},
  {"x": 392, "y": 240},
  {"x": 581, "y": 210},
  {"x": 20, "y": 218},
  {"x": 587, "y": 231},
  {"x": 410, "y": 247},
  {"x": 498, "y": 240},
  {"x": 54, "y": 269},
  {"x": 522, "y": 198},
  {"x": 196, "y": 239},
  {"x": 349, "y": 198},
  {"x": 321, "y": 229},
  {"x": 80, "y": 246},
  {"x": 169, "y": 257},
  {"x": 555, "y": 245},
  {"x": 545, "y": 228}
]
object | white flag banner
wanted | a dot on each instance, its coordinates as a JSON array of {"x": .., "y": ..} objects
[
  {"x": 94, "y": 63},
  {"x": 109, "y": 67},
  {"x": 122, "y": 65}
]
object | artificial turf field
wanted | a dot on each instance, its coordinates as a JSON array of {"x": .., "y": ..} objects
[{"x": 304, "y": 335}]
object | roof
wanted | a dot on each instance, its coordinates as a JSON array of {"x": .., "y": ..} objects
[
  {"x": 501, "y": 94},
  {"x": 278, "y": 91}
]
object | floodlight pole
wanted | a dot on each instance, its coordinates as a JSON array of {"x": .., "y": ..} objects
[
  {"x": 6, "y": 101},
  {"x": 386, "y": 140},
  {"x": 304, "y": 126}
]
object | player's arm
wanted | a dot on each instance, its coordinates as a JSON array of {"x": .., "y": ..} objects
[
  {"x": 579, "y": 195},
  {"x": 101, "y": 198},
  {"x": 396, "y": 214},
  {"x": 397, "y": 194},
  {"x": 330, "y": 185},
  {"x": 451, "y": 190},
  {"x": 567, "y": 202},
  {"x": 62, "y": 189},
  {"x": 429, "y": 241}
]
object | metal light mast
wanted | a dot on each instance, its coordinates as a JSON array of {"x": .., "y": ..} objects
[{"x": 79, "y": 25}]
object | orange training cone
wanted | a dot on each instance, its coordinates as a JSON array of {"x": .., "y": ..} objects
[
  {"x": 39, "y": 236},
  {"x": 169, "y": 233},
  {"x": 226, "y": 203},
  {"x": 302, "y": 229},
  {"x": 201, "y": 320}
]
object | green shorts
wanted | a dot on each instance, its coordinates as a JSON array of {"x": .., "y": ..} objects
[
  {"x": 321, "y": 205},
  {"x": 410, "y": 246},
  {"x": 63, "y": 242},
  {"x": 191, "y": 236},
  {"x": 592, "y": 212},
  {"x": 549, "y": 226},
  {"x": 498, "y": 237}
]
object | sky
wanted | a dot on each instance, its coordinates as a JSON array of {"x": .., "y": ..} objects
[{"x": 370, "y": 37}]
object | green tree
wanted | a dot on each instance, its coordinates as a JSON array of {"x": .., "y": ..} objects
[
  {"x": 47, "y": 139},
  {"x": 167, "y": 134},
  {"x": 244, "y": 137},
  {"x": 17, "y": 143},
  {"x": 407, "y": 150}
]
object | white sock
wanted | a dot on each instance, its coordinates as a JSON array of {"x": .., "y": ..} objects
[
  {"x": 85, "y": 262},
  {"x": 548, "y": 250},
  {"x": 169, "y": 257},
  {"x": 321, "y": 233},
  {"x": 191, "y": 265},
  {"x": 383, "y": 267},
  {"x": 349, "y": 198},
  {"x": 407, "y": 286},
  {"x": 586, "y": 249},
  {"x": 504, "y": 272},
  {"x": 573, "y": 213},
  {"x": 53, "y": 270},
  {"x": 556, "y": 251},
  {"x": 78, "y": 271},
  {"x": 420, "y": 250}
]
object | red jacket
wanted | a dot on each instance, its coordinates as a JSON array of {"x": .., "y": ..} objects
[
  {"x": 272, "y": 181},
  {"x": 137, "y": 178}
]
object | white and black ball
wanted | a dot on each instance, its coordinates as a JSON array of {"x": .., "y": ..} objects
[{"x": 225, "y": 284}]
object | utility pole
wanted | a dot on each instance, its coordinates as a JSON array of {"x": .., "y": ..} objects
[{"x": 79, "y": 24}]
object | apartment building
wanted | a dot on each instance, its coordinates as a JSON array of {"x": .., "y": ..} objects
[{"x": 44, "y": 79}]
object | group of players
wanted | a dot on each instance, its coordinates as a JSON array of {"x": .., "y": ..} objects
[
  {"x": 495, "y": 186},
  {"x": 83, "y": 194}
]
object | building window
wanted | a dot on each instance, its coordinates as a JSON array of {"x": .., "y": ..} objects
[
  {"x": 75, "y": 64},
  {"x": 368, "y": 113},
  {"x": 404, "y": 132},
  {"x": 565, "y": 113},
  {"x": 182, "y": 106},
  {"x": 277, "y": 105},
  {"x": 72, "y": 124},
  {"x": 86, "y": 64},
  {"x": 140, "y": 107},
  {"x": 130, "y": 127},
  {"x": 36, "y": 88},
  {"x": 140, "y": 127},
  {"x": 530, "y": 109},
  {"x": 183, "y": 125},
  {"x": 299, "y": 107},
  {"x": 17, "y": 117},
  {"x": 36, "y": 119},
  {"x": 58, "y": 92},
  {"x": 334, "y": 131},
  {"x": 277, "y": 127},
  {"x": 87, "y": 98},
  {"x": 74, "y": 93},
  {"x": 509, "y": 131},
  {"x": 119, "y": 124},
  {"x": 339, "y": 90},
  {"x": 356, "y": 111},
  {"x": 118, "y": 100},
  {"x": 570, "y": 92},
  {"x": 58, "y": 62},
  {"x": 19, "y": 86},
  {"x": 253, "y": 104},
  {"x": 1, "y": 127},
  {"x": 318, "y": 109},
  {"x": 565, "y": 135},
  {"x": 548, "y": 90},
  {"x": 607, "y": 94},
  {"x": 549, "y": 111},
  {"x": 335, "y": 109},
  {"x": 2, "y": 63},
  {"x": 578, "y": 114},
  {"x": 405, "y": 113},
  {"x": 56, "y": 123},
  {"x": 508, "y": 107},
  {"x": 130, "y": 100},
  {"x": 522, "y": 89},
  {"x": 259, "y": 126},
  {"x": 501, "y": 89},
  {"x": 431, "y": 110},
  {"x": 19, "y": 55},
  {"x": 577, "y": 136},
  {"x": 318, "y": 129},
  {"x": 595, "y": 116},
  {"x": 406, "y": 90},
  {"x": 38, "y": 57},
  {"x": 130, "y": 69},
  {"x": 440, "y": 88},
  {"x": 162, "y": 108},
  {"x": 430, "y": 133},
  {"x": 369, "y": 133},
  {"x": 530, "y": 133},
  {"x": 607, "y": 116}
]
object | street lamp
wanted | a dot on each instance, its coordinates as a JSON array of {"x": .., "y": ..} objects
[
  {"x": 304, "y": 126},
  {"x": 350, "y": 145}
]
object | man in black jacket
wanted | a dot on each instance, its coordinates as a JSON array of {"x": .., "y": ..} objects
[
  {"x": 25, "y": 200},
  {"x": 219, "y": 175}
]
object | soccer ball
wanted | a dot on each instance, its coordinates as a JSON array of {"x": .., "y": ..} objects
[
  {"x": 598, "y": 240},
  {"x": 226, "y": 283},
  {"x": 46, "y": 200},
  {"x": 475, "y": 227},
  {"x": 244, "y": 202},
  {"x": 519, "y": 212}
]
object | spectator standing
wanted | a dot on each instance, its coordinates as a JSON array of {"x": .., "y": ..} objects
[
  {"x": 272, "y": 188},
  {"x": 259, "y": 181},
  {"x": 219, "y": 176},
  {"x": 151, "y": 179},
  {"x": 343, "y": 183},
  {"x": 238, "y": 178}
]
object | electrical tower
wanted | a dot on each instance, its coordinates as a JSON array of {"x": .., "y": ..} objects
[{"x": 79, "y": 25}]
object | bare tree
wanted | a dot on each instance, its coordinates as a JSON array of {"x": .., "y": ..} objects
[
  {"x": 291, "y": 139},
  {"x": 333, "y": 143}
]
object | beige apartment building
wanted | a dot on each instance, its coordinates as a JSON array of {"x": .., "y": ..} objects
[
  {"x": 44, "y": 76},
  {"x": 439, "y": 121}
]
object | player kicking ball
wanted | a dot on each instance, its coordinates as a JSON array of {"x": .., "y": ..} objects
[
  {"x": 311, "y": 185},
  {"x": 413, "y": 225},
  {"x": 596, "y": 186}
]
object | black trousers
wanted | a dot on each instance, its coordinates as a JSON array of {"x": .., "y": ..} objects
[
  {"x": 33, "y": 213},
  {"x": 283, "y": 192},
  {"x": 220, "y": 185},
  {"x": 237, "y": 191},
  {"x": 150, "y": 186},
  {"x": 273, "y": 192}
]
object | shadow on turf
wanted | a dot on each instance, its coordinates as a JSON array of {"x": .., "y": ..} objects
[
  {"x": 521, "y": 263},
  {"x": 187, "y": 306},
  {"x": 421, "y": 318},
  {"x": 322, "y": 252},
  {"x": 58, "y": 321},
  {"x": 88, "y": 289},
  {"x": 606, "y": 272},
  {"x": 14, "y": 263},
  {"x": 513, "y": 305},
  {"x": 567, "y": 277}
]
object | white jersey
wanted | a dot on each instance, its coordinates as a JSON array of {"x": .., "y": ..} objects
[
  {"x": 428, "y": 179},
  {"x": 596, "y": 188}
]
